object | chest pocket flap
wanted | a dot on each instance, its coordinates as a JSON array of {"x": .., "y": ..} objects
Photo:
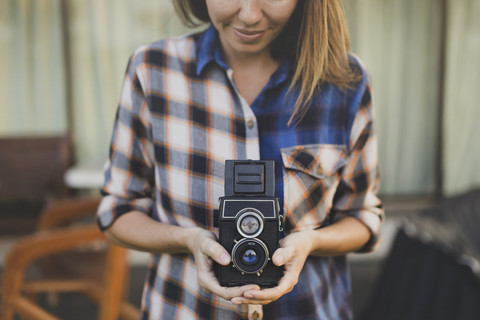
[
  {"x": 317, "y": 160},
  {"x": 311, "y": 175}
]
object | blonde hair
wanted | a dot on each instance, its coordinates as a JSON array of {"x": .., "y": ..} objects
[{"x": 316, "y": 37}]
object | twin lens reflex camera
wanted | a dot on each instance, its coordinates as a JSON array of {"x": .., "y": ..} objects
[{"x": 249, "y": 224}]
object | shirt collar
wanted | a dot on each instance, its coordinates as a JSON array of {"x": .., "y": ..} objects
[
  {"x": 282, "y": 72},
  {"x": 209, "y": 49}
]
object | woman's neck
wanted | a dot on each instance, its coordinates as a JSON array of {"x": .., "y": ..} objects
[
  {"x": 251, "y": 73},
  {"x": 240, "y": 60}
]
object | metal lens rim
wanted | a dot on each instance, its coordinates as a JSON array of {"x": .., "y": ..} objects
[
  {"x": 247, "y": 212},
  {"x": 234, "y": 253}
]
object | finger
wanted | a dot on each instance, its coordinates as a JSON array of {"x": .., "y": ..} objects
[
  {"x": 209, "y": 282},
  {"x": 282, "y": 255},
  {"x": 260, "y": 296},
  {"x": 232, "y": 292},
  {"x": 229, "y": 293},
  {"x": 285, "y": 285},
  {"x": 239, "y": 300},
  {"x": 216, "y": 251}
]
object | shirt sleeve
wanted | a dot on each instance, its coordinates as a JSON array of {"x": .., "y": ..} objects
[
  {"x": 129, "y": 170},
  {"x": 356, "y": 195}
]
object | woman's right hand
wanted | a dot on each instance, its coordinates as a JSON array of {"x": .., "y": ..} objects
[
  {"x": 206, "y": 249},
  {"x": 138, "y": 231}
]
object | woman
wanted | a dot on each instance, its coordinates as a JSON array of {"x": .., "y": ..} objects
[{"x": 269, "y": 79}]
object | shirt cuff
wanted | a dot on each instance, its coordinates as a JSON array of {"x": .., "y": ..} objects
[
  {"x": 372, "y": 218},
  {"x": 112, "y": 207}
]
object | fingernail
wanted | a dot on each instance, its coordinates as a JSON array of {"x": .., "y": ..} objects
[
  {"x": 279, "y": 259},
  {"x": 224, "y": 258}
]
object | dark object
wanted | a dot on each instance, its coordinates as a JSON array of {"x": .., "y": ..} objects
[
  {"x": 31, "y": 174},
  {"x": 32, "y": 168},
  {"x": 459, "y": 219},
  {"x": 432, "y": 269},
  {"x": 249, "y": 224}
]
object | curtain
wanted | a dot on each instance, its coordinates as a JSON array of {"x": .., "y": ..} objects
[
  {"x": 462, "y": 107},
  {"x": 103, "y": 35},
  {"x": 32, "y": 82},
  {"x": 399, "y": 41}
]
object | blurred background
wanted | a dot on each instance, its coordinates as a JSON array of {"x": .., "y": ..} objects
[{"x": 61, "y": 67}]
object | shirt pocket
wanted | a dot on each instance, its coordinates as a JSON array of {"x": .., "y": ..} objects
[{"x": 311, "y": 174}]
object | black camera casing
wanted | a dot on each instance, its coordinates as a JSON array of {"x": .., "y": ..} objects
[{"x": 249, "y": 224}]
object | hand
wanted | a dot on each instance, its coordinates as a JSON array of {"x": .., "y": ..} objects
[
  {"x": 294, "y": 250},
  {"x": 205, "y": 249}
]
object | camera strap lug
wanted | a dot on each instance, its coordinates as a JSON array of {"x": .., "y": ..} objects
[{"x": 280, "y": 223}]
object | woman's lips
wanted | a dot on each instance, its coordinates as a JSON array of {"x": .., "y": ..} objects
[{"x": 248, "y": 35}]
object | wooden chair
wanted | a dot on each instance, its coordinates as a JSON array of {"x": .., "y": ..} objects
[
  {"x": 66, "y": 252},
  {"x": 84, "y": 248}
]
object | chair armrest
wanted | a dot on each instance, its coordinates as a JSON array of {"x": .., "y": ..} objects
[
  {"x": 46, "y": 243},
  {"x": 37, "y": 246},
  {"x": 62, "y": 211}
]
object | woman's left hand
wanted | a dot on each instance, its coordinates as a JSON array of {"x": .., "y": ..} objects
[{"x": 294, "y": 250}]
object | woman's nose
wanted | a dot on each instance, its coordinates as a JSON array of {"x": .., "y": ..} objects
[{"x": 250, "y": 11}]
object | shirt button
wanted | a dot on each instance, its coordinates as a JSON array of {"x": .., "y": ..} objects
[
  {"x": 250, "y": 124},
  {"x": 320, "y": 171}
]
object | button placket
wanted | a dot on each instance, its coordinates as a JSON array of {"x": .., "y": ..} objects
[
  {"x": 252, "y": 147},
  {"x": 320, "y": 172}
]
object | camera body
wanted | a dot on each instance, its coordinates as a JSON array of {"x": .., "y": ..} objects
[{"x": 249, "y": 224}]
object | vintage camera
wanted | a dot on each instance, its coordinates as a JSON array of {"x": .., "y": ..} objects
[{"x": 249, "y": 224}]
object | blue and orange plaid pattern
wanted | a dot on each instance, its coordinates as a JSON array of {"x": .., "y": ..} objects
[{"x": 180, "y": 117}]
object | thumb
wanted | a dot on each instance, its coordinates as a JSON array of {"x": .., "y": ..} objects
[
  {"x": 218, "y": 253},
  {"x": 282, "y": 256}
]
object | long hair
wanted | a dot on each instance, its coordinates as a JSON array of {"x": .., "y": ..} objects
[{"x": 316, "y": 38}]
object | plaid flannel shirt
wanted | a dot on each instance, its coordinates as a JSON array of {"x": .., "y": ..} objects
[{"x": 180, "y": 116}]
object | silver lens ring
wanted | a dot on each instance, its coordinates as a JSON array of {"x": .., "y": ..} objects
[
  {"x": 249, "y": 222},
  {"x": 244, "y": 246}
]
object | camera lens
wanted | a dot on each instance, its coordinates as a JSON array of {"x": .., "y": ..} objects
[
  {"x": 250, "y": 223},
  {"x": 250, "y": 255}
]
